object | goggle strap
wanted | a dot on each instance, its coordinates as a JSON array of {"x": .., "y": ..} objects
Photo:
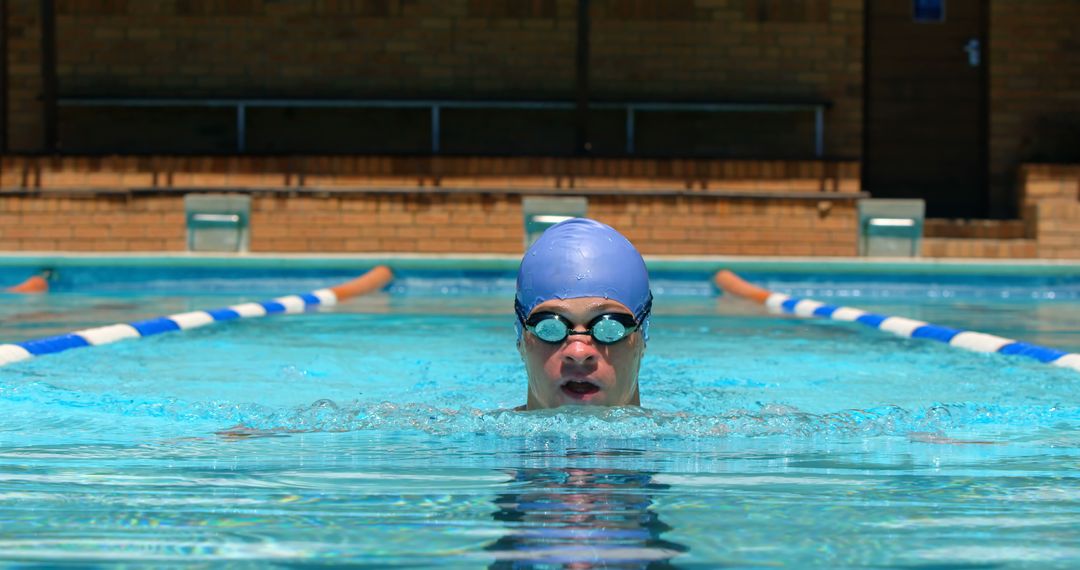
[
  {"x": 643, "y": 314},
  {"x": 519, "y": 309},
  {"x": 640, "y": 316}
]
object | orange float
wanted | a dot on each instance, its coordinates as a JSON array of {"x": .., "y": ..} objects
[
  {"x": 34, "y": 285},
  {"x": 735, "y": 285},
  {"x": 373, "y": 280}
]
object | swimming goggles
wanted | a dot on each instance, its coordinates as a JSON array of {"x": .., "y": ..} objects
[{"x": 606, "y": 329}]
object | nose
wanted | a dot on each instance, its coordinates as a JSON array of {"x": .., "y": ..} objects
[{"x": 579, "y": 350}]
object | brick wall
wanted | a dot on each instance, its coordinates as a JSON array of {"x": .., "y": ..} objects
[
  {"x": 1034, "y": 79},
  {"x": 974, "y": 229},
  {"x": 355, "y": 48},
  {"x": 678, "y": 50},
  {"x": 445, "y": 205},
  {"x": 25, "y": 173},
  {"x": 412, "y": 223},
  {"x": 493, "y": 224},
  {"x": 24, "y": 113},
  {"x": 697, "y": 226},
  {"x": 1049, "y": 226},
  {"x": 980, "y": 248},
  {"x": 92, "y": 223},
  {"x": 341, "y": 205},
  {"x": 428, "y": 223},
  {"x": 999, "y": 239},
  {"x": 1051, "y": 203},
  {"x": 737, "y": 49}
]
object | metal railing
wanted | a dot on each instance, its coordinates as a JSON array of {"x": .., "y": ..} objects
[{"x": 435, "y": 107}]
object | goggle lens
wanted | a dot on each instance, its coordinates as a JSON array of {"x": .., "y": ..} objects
[
  {"x": 606, "y": 329},
  {"x": 551, "y": 330}
]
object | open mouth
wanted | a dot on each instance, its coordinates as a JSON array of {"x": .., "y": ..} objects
[{"x": 579, "y": 388}]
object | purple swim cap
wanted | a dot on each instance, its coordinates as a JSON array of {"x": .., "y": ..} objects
[{"x": 584, "y": 258}]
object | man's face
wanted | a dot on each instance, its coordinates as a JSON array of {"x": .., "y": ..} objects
[{"x": 580, "y": 370}]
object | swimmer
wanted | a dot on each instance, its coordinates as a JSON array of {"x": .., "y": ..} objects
[{"x": 583, "y": 305}]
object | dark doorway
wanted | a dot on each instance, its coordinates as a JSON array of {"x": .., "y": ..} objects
[{"x": 926, "y": 120}]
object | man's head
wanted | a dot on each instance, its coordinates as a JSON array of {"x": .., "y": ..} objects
[{"x": 583, "y": 305}]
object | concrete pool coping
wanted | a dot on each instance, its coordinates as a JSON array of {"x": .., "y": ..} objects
[{"x": 501, "y": 262}]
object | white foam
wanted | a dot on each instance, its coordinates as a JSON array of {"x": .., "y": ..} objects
[
  {"x": 105, "y": 335},
  {"x": 979, "y": 342},
  {"x": 13, "y": 353},
  {"x": 846, "y": 314},
  {"x": 191, "y": 320},
  {"x": 246, "y": 310},
  {"x": 900, "y": 325}
]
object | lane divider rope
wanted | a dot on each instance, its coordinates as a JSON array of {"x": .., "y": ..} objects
[
  {"x": 901, "y": 326},
  {"x": 373, "y": 280}
]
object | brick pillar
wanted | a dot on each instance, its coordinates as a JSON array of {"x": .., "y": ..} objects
[
  {"x": 1034, "y": 77},
  {"x": 1052, "y": 209}
]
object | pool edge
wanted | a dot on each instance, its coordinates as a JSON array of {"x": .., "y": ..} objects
[{"x": 509, "y": 262}]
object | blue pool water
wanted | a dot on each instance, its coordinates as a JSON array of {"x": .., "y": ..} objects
[{"x": 377, "y": 432}]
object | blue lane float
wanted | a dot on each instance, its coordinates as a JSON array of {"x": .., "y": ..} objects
[
  {"x": 900, "y": 326},
  {"x": 19, "y": 351}
]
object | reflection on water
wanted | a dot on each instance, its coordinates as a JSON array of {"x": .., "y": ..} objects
[{"x": 582, "y": 518}]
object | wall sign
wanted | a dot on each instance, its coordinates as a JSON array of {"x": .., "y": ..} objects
[{"x": 930, "y": 11}]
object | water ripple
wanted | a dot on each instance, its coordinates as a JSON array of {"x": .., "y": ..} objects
[{"x": 240, "y": 420}]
